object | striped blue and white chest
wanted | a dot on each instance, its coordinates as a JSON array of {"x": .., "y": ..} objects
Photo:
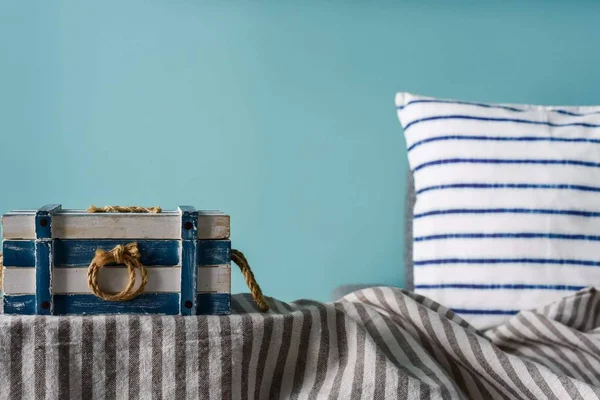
[{"x": 185, "y": 253}]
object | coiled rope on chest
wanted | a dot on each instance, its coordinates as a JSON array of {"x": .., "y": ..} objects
[{"x": 129, "y": 255}]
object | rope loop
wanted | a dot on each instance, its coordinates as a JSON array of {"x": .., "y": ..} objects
[
  {"x": 257, "y": 294},
  {"x": 124, "y": 209},
  {"x": 129, "y": 255}
]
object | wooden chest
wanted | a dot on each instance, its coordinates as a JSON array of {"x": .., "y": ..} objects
[{"x": 48, "y": 256}]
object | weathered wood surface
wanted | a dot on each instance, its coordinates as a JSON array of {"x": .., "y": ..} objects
[
  {"x": 147, "y": 303},
  {"x": 79, "y": 253},
  {"x": 213, "y": 279},
  {"x": 19, "y": 253},
  {"x": 213, "y": 303},
  {"x": 44, "y": 256},
  {"x": 189, "y": 263},
  {"x": 77, "y": 224}
]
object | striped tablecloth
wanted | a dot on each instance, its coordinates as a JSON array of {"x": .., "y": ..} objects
[{"x": 379, "y": 343}]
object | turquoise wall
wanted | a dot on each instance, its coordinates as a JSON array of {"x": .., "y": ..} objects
[{"x": 279, "y": 113}]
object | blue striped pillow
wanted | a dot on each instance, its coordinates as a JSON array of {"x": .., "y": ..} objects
[{"x": 507, "y": 215}]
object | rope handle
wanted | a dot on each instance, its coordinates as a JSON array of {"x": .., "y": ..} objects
[
  {"x": 124, "y": 209},
  {"x": 257, "y": 294},
  {"x": 128, "y": 255}
]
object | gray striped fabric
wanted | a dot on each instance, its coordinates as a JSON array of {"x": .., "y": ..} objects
[{"x": 378, "y": 343}]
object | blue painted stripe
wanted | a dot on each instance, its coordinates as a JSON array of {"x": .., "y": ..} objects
[
  {"x": 213, "y": 304},
  {"x": 575, "y": 213},
  {"x": 43, "y": 274},
  {"x": 189, "y": 264},
  {"x": 19, "y": 253},
  {"x": 555, "y": 261},
  {"x": 553, "y": 186},
  {"x": 79, "y": 253},
  {"x": 497, "y": 106},
  {"x": 44, "y": 259},
  {"x": 503, "y": 139},
  {"x": 492, "y": 119},
  {"x": 189, "y": 278},
  {"x": 516, "y": 235},
  {"x": 512, "y": 286},
  {"x": 23, "y": 304},
  {"x": 189, "y": 222},
  {"x": 213, "y": 252},
  {"x": 484, "y": 312},
  {"x": 578, "y": 163},
  {"x": 147, "y": 303},
  {"x": 43, "y": 221}
]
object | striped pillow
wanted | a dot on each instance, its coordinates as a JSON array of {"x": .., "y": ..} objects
[{"x": 507, "y": 215}]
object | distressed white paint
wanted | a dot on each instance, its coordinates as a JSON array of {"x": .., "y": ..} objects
[
  {"x": 77, "y": 224},
  {"x": 18, "y": 280},
  {"x": 212, "y": 279}
]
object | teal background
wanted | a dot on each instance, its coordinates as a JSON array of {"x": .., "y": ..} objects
[{"x": 279, "y": 113}]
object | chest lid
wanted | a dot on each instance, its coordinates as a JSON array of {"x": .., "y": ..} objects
[{"x": 81, "y": 224}]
